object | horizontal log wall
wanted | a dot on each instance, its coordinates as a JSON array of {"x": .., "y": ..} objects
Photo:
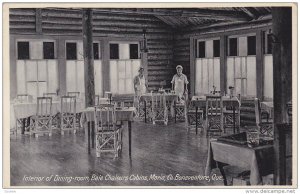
[{"x": 64, "y": 22}]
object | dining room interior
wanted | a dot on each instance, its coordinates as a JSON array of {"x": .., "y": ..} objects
[{"x": 151, "y": 96}]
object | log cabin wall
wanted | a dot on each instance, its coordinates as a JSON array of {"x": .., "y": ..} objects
[
  {"x": 184, "y": 48},
  {"x": 61, "y": 25}
]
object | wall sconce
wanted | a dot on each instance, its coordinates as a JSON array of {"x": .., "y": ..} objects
[{"x": 144, "y": 48}]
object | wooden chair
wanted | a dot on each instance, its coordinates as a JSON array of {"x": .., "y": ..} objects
[
  {"x": 97, "y": 100},
  {"x": 230, "y": 119},
  {"x": 264, "y": 126},
  {"x": 214, "y": 114},
  {"x": 68, "y": 114},
  {"x": 191, "y": 118},
  {"x": 24, "y": 98},
  {"x": 108, "y": 134},
  {"x": 42, "y": 121},
  {"x": 52, "y": 95},
  {"x": 76, "y": 94},
  {"x": 22, "y": 122},
  {"x": 159, "y": 108}
]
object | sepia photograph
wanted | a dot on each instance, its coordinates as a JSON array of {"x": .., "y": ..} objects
[{"x": 160, "y": 95}]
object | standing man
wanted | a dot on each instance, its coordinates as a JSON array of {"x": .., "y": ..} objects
[{"x": 179, "y": 84}]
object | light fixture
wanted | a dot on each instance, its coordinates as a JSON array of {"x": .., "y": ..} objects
[{"x": 144, "y": 48}]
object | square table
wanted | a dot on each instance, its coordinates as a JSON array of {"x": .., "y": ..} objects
[
  {"x": 124, "y": 114},
  {"x": 259, "y": 160},
  {"x": 148, "y": 97},
  {"x": 200, "y": 102}
]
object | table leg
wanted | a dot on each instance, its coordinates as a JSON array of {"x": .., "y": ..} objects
[
  {"x": 175, "y": 110},
  {"x": 220, "y": 166},
  {"x": 89, "y": 133},
  {"x": 129, "y": 138},
  {"x": 145, "y": 109},
  {"x": 196, "y": 120},
  {"x": 233, "y": 119},
  {"x": 93, "y": 134},
  {"x": 23, "y": 125}
]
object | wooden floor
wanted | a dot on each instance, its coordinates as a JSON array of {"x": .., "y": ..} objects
[{"x": 156, "y": 149}]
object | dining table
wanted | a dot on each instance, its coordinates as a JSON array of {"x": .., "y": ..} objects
[
  {"x": 123, "y": 114},
  {"x": 259, "y": 160},
  {"x": 22, "y": 110},
  {"x": 171, "y": 98},
  {"x": 199, "y": 102}
]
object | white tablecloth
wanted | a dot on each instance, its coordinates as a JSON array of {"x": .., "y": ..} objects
[{"x": 24, "y": 110}]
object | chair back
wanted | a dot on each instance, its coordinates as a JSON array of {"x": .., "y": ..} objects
[
  {"x": 52, "y": 95},
  {"x": 257, "y": 111},
  {"x": 158, "y": 100},
  {"x": 44, "y": 106},
  {"x": 105, "y": 117},
  {"x": 214, "y": 106},
  {"x": 97, "y": 100},
  {"x": 24, "y": 98},
  {"x": 68, "y": 104},
  {"x": 76, "y": 94}
]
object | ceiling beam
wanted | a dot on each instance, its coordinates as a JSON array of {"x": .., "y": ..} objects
[
  {"x": 248, "y": 12},
  {"x": 203, "y": 13}
]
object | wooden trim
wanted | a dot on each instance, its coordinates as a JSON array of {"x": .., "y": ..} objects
[
  {"x": 223, "y": 64},
  {"x": 13, "y": 68},
  {"x": 38, "y": 21},
  {"x": 192, "y": 66},
  {"x": 61, "y": 63},
  {"x": 105, "y": 65},
  {"x": 259, "y": 65},
  {"x": 231, "y": 33}
]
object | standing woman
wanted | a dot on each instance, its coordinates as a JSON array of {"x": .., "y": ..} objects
[
  {"x": 139, "y": 83},
  {"x": 179, "y": 84},
  {"x": 140, "y": 88}
]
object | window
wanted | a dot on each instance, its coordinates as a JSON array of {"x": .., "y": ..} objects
[
  {"x": 124, "y": 65},
  {"x": 251, "y": 40},
  {"x": 23, "y": 50},
  {"x": 201, "y": 49},
  {"x": 232, "y": 47},
  {"x": 96, "y": 50},
  {"x": 216, "y": 48},
  {"x": 71, "y": 50},
  {"x": 48, "y": 50},
  {"x": 134, "y": 52},
  {"x": 114, "y": 51}
]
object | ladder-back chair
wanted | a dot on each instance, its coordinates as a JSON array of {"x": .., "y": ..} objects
[
  {"x": 43, "y": 118},
  {"x": 159, "y": 108},
  {"x": 214, "y": 114},
  {"x": 265, "y": 127},
  {"x": 68, "y": 114},
  {"x": 108, "y": 134},
  {"x": 22, "y": 122}
]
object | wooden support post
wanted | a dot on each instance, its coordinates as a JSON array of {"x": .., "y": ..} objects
[
  {"x": 259, "y": 65},
  {"x": 105, "y": 66},
  {"x": 192, "y": 66},
  {"x": 223, "y": 69},
  {"x": 282, "y": 82},
  {"x": 88, "y": 57}
]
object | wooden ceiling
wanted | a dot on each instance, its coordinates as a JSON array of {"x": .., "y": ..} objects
[{"x": 190, "y": 17}]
